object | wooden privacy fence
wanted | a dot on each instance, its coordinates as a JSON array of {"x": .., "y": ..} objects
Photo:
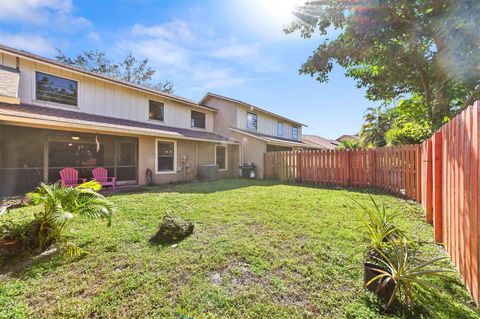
[
  {"x": 442, "y": 174},
  {"x": 393, "y": 169}
]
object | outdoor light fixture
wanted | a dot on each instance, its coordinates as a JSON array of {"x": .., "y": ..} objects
[
  {"x": 252, "y": 108},
  {"x": 75, "y": 138}
]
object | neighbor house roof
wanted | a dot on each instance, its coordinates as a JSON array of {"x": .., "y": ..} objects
[
  {"x": 37, "y": 58},
  {"x": 348, "y": 137},
  {"x": 270, "y": 139},
  {"x": 209, "y": 95},
  {"x": 66, "y": 118},
  {"x": 320, "y": 142}
]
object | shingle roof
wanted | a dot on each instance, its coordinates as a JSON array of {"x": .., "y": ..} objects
[
  {"x": 269, "y": 138},
  {"x": 320, "y": 141},
  {"x": 39, "y": 58},
  {"x": 54, "y": 114}
]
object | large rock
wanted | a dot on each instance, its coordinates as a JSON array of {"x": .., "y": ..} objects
[{"x": 172, "y": 230}]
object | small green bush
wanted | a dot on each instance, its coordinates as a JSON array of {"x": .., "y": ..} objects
[{"x": 409, "y": 133}]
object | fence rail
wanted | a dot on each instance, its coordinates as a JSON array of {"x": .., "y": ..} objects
[
  {"x": 393, "y": 169},
  {"x": 442, "y": 174}
]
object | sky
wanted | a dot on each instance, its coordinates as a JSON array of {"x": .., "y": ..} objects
[{"x": 234, "y": 48}]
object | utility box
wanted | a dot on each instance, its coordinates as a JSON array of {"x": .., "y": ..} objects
[{"x": 208, "y": 172}]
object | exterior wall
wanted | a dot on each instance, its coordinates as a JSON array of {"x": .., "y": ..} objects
[
  {"x": 195, "y": 153},
  {"x": 96, "y": 96},
  {"x": 266, "y": 124},
  {"x": 226, "y": 117},
  {"x": 252, "y": 151}
]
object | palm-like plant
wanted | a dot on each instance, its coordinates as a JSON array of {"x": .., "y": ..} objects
[
  {"x": 380, "y": 226},
  {"x": 61, "y": 204},
  {"x": 401, "y": 267}
]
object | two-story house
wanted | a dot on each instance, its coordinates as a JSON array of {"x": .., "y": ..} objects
[
  {"x": 257, "y": 129},
  {"x": 54, "y": 115}
]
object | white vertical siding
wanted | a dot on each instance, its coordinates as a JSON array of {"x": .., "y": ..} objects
[
  {"x": 96, "y": 96},
  {"x": 266, "y": 124}
]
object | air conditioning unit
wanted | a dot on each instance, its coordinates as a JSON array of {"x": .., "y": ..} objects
[{"x": 208, "y": 172}]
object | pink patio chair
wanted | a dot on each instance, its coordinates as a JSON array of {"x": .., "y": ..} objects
[
  {"x": 69, "y": 177},
  {"x": 100, "y": 175}
]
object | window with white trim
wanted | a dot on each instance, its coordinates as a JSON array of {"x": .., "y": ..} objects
[
  {"x": 280, "y": 128},
  {"x": 165, "y": 156},
  {"x": 221, "y": 157},
  {"x": 251, "y": 120},
  {"x": 294, "y": 133}
]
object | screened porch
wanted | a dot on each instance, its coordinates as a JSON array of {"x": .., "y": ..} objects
[{"x": 29, "y": 156}]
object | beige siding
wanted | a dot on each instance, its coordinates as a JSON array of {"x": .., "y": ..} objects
[
  {"x": 196, "y": 153},
  {"x": 103, "y": 98},
  {"x": 266, "y": 124}
]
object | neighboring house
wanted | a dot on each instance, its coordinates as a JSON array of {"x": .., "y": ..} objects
[
  {"x": 54, "y": 115},
  {"x": 347, "y": 137},
  {"x": 257, "y": 129},
  {"x": 314, "y": 141}
]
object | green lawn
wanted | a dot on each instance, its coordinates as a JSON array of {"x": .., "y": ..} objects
[{"x": 259, "y": 250}]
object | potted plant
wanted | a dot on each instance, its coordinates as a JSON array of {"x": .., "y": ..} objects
[{"x": 399, "y": 271}]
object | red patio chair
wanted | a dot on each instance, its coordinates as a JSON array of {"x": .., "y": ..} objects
[
  {"x": 100, "y": 175},
  {"x": 69, "y": 177}
]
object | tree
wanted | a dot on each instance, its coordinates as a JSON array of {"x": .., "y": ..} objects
[
  {"x": 349, "y": 144},
  {"x": 130, "y": 69},
  {"x": 397, "y": 47},
  {"x": 377, "y": 121}
]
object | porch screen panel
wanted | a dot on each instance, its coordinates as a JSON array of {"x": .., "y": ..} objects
[
  {"x": 127, "y": 155},
  {"x": 21, "y": 159},
  {"x": 82, "y": 152}
]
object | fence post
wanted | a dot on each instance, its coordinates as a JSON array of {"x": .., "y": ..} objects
[
  {"x": 437, "y": 185},
  {"x": 349, "y": 169},
  {"x": 428, "y": 181},
  {"x": 299, "y": 167},
  {"x": 418, "y": 173}
]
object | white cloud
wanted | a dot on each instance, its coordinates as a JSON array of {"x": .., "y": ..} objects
[
  {"x": 239, "y": 51},
  {"x": 27, "y": 42},
  {"x": 94, "y": 36},
  {"x": 176, "y": 30},
  {"x": 50, "y": 13},
  {"x": 182, "y": 53}
]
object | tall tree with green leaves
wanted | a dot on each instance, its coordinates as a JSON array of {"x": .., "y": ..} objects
[
  {"x": 395, "y": 48},
  {"x": 129, "y": 69}
]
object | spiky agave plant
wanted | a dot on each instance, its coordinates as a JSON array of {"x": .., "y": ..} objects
[
  {"x": 61, "y": 204},
  {"x": 401, "y": 267},
  {"x": 380, "y": 226}
]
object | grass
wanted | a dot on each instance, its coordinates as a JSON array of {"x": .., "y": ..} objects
[{"x": 259, "y": 250}]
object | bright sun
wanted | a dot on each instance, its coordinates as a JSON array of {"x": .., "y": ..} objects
[{"x": 278, "y": 10}]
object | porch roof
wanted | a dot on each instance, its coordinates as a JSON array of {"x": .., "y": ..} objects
[
  {"x": 71, "y": 119},
  {"x": 271, "y": 139}
]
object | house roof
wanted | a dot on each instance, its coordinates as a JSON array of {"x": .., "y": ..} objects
[
  {"x": 72, "y": 118},
  {"x": 348, "y": 137},
  {"x": 320, "y": 141},
  {"x": 270, "y": 139},
  {"x": 38, "y": 58},
  {"x": 209, "y": 94}
]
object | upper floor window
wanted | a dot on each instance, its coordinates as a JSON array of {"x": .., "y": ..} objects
[
  {"x": 294, "y": 132},
  {"x": 55, "y": 89},
  {"x": 252, "y": 120},
  {"x": 198, "y": 119},
  {"x": 280, "y": 129},
  {"x": 155, "y": 110}
]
